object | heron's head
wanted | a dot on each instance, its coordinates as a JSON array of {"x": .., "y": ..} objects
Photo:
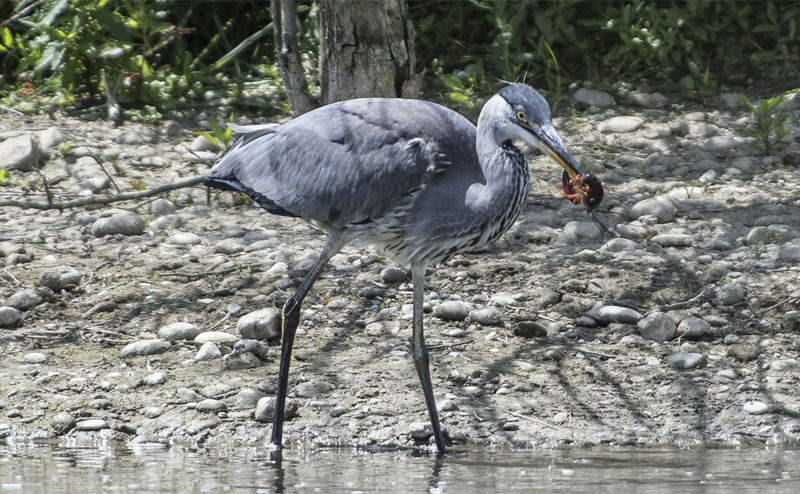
[{"x": 524, "y": 114}]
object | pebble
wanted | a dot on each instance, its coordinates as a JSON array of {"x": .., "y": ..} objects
[
  {"x": 789, "y": 253},
  {"x": 19, "y": 153},
  {"x": 178, "y": 331},
  {"x": 620, "y": 245},
  {"x": 452, "y": 310},
  {"x": 25, "y": 299},
  {"x": 783, "y": 364},
  {"x": 265, "y": 410},
  {"x": 755, "y": 407},
  {"x": 200, "y": 143},
  {"x": 722, "y": 143},
  {"x": 648, "y": 100},
  {"x": 660, "y": 207},
  {"x": 119, "y": 223},
  {"x": 393, "y": 275},
  {"x": 62, "y": 423},
  {"x": 487, "y": 316},
  {"x": 621, "y": 124},
  {"x": 757, "y": 235},
  {"x": 144, "y": 347},
  {"x": 184, "y": 239},
  {"x": 657, "y": 327},
  {"x": 730, "y": 294},
  {"x": 9, "y": 317},
  {"x": 91, "y": 425},
  {"x": 168, "y": 222},
  {"x": 446, "y": 405},
  {"x": 264, "y": 324},
  {"x": 228, "y": 247},
  {"x": 208, "y": 351},
  {"x": 532, "y": 329},
  {"x": 672, "y": 240},
  {"x": 186, "y": 394},
  {"x": 694, "y": 328},
  {"x": 152, "y": 412},
  {"x": 35, "y": 358},
  {"x": 50, "y": 137},
  {"x": 210, "y": 405},
  {"x": 421, "y": 431},
  {"x": 593, "y": 97},
  {"x": 248, "y": 397},
  {"x": 256, "y": 347},
  {"x": 791, "y": 321},
  {"x": 155, "y": 379},
  {"x": 685, "y": 361},
  {"x": 614, "y": 314},
  {"x": 87, "y": 174},
  {"x": 218, "y": 337},
  {"x": 60, "y": 278},
  {"x": 161, "y": 207}
]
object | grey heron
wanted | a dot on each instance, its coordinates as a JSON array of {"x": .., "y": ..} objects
[{"x": 414, "y": 178}]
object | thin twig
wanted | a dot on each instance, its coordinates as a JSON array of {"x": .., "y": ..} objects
[
  {"x": 787, "y": 299},
  {"x": 12, "y": 276},
  {"x": 93, "y": 201},
  {"x": 11, "y": 110},
  {"x": 22, "y": 13},
  {"x": 685, "y": 303},
  {"x": 535, "y": 420},
  {"x": 46, "y": 188},
  {"x": 218, "y": 323},
  {"x": 100, "y": 163},
  {"x": 202, "y": 274},
  {"x": 450, "y": 345}
]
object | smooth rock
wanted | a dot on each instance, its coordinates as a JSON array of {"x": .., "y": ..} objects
[
  {"x": 265, "y": 410},
  {"x": 783, "y": 364},
  {"x": 178, "y": 331},
  {"x": 155, "y": 379},
  {"x": 657, "y": 327},
  {"x": 789, "y": 253},
  {"x": 50, "y": 137},
  {"x": 184, "y": 239},
  {"x": 218, "y": 337},
  {"x": 161, "y": 207},
  {"x": 730, "y": 294},
  {"x": 593, "y": 97},
  {"x": 660, "y": 207},
  {"x": 127, "y": 223},
  {"x": 208, "y": 351},
  {"x": 144, "y": 347},
  {"x": 487, "y": 316},
  {"x": 264, "y": 324},
  {"x": 452, "y": 310},
  {"x": 757, "y": 235},
  {"x": 9, "y": 317},
  {"x": 168, "y": 222},
  {"x": 60, "y": 278},
  {"x": 619, "y": 245},
  {"x": 25, "y": 299},
  {"x": 228, "y": 247},
  {"x": 393, "y": 275},
  {"x": 91, "y": 425},
  {"x": 421, "y": 431},
  {"x": 791, "y": 321},
  {"x": 621, "y": 124},
  {"x": 672, "y": 240},
  {"x": 722, "y": 143},
  {"x": 62, "y": 423},
  {"x": 256, "y": 347},
  {"x": 87, "y": 174},
  {"x": 614, "y": 314},
  {"x": 132, "y": 137},
  {"x": 694, "y": 328},
  {"x": 755, "y": 407},
  {"x": 186, "y": 394},
  {"x": 19, "y": 153},
  {"x": 648, "y": 100},
  {"x": 210, "y": 405},
  {"x": 200, "y": 143},
  {"x": 685, "y": 361},
  {"x": 35, "y": 358},
  {"x": 248, "y": 397}
]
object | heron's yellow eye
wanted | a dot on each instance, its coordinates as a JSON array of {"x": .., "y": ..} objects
[{"x": 521, "y": 116}]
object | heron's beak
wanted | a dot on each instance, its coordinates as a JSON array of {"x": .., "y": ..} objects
[{"x": 548, "y": 140}]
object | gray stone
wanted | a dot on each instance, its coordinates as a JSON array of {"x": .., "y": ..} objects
[
  {"x": 91, "y": 425},
  {"x": 791, "y": 321},
  {"x": 152, "y": 412},
  {"x": 208, "y": 351},
  {"x": 686, "y": 361},
  {"x": 338, "y": 411},
  {"x": 256, "y": 347},
  {"x": 694, "y": 328},
  {"x": 155, "y": 379},
  {"x": 9, "y": 317},
  {"x": 313, "y": 389},
  {"x": 657, "y": 327},
  {"x": 532, "y": 329},
  {"x": 593, "y": 97},
  {"x": 620, "y": 245},
  {"x": 265, "y": 410},
  {"x": 210, "y": 405},
  {"x": 755, "y": 407},
  {"x": 35, "y": 358},
  {"x": 218, "y": 337},
  {"x": 720, "y": 244},
  {"x": 144, "y": 347},
  {"x": 119, "y": 223},
  {"x": 62, "y": 423},
  {"x": 660, "y": 207},
  {"x": 264, "y": 324},
  {"x": 228, "y": 247},
  {"x": 161, "y": 207},
  {"x": 132, "y": 137},
  {"x": 200, "y": 143},
  {"x": 186, "y": 394},
  {"x": 621, "y": 124},
  {"x": 789, "y": 253},
  {"x": 248, "y": 397},
  {"x": 241, "y": 361},
  {"x": 613, "y": 314},
  {"x": 783, "y": 364},
  {"x": 215, "y": 390},
  {"x": 19, "y": 153},
  {"x": 452, "y": 310},
  {"x": 393, "y": 275},
  {"x": 648, "y": 100},
  {"x": 577, "y": 231},
  {"x": 677, "y": 240},
  {"x": 184, "y": 239},
  {"x": 50, "y": 137},
  {"x": 60, "y": 278},
  {"x": 722, "y": 143},
  {"x": 487, "y": 316},
  {"x": 446, "y": 406},
  {"x": 87, "y": 174},
  {"x": 730, "y": 294},
  {"x": 708, "y": 177},
  {"x": 168, "y": 222},
  {"x": 25, "y": 299},
  {"x": 757, "y": 235},
  {"x": 421, "y": 431},
  {"x": 178, "y": 331}
]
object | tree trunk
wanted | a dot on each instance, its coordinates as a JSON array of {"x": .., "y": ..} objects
[
  {"x": 284, "y": 19},
  {"x": 367, "y": 50}
]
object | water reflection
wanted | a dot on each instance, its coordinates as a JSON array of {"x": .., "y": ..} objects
[{"x": 156, "y": 468}]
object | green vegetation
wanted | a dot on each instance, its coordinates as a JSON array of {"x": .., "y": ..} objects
[
  {"x": 219, "y": 137},
  {"x": 770, "y": 124},
  {"x": 161, "y": 54}
]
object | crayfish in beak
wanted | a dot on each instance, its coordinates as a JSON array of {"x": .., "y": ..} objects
[{"x": 586, "y": 189}]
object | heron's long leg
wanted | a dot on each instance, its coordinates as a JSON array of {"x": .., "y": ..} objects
[
  {"x": 291, "y": 318},
  {"x": 420, "y": 353}
]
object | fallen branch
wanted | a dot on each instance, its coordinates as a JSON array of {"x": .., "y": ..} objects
[
  {"x": 93, "y": 201},
  {"x": 679, "y": 305}
]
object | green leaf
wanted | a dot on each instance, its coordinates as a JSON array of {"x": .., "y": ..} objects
[
  {"x": 213, "y": 140},
  {"x": 241, "y": 46},
  {"x": 8, "y": 38}
]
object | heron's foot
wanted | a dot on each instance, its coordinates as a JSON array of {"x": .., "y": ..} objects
[{"x": 275, "y": 452}]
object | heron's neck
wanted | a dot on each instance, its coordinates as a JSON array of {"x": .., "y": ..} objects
[{"x": 500, "y": 161}]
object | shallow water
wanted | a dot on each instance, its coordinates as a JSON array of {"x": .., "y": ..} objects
[{"x": 45, "y": 469}]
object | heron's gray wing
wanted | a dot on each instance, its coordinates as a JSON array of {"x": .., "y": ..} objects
[{"x": 344, "y": 163}]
